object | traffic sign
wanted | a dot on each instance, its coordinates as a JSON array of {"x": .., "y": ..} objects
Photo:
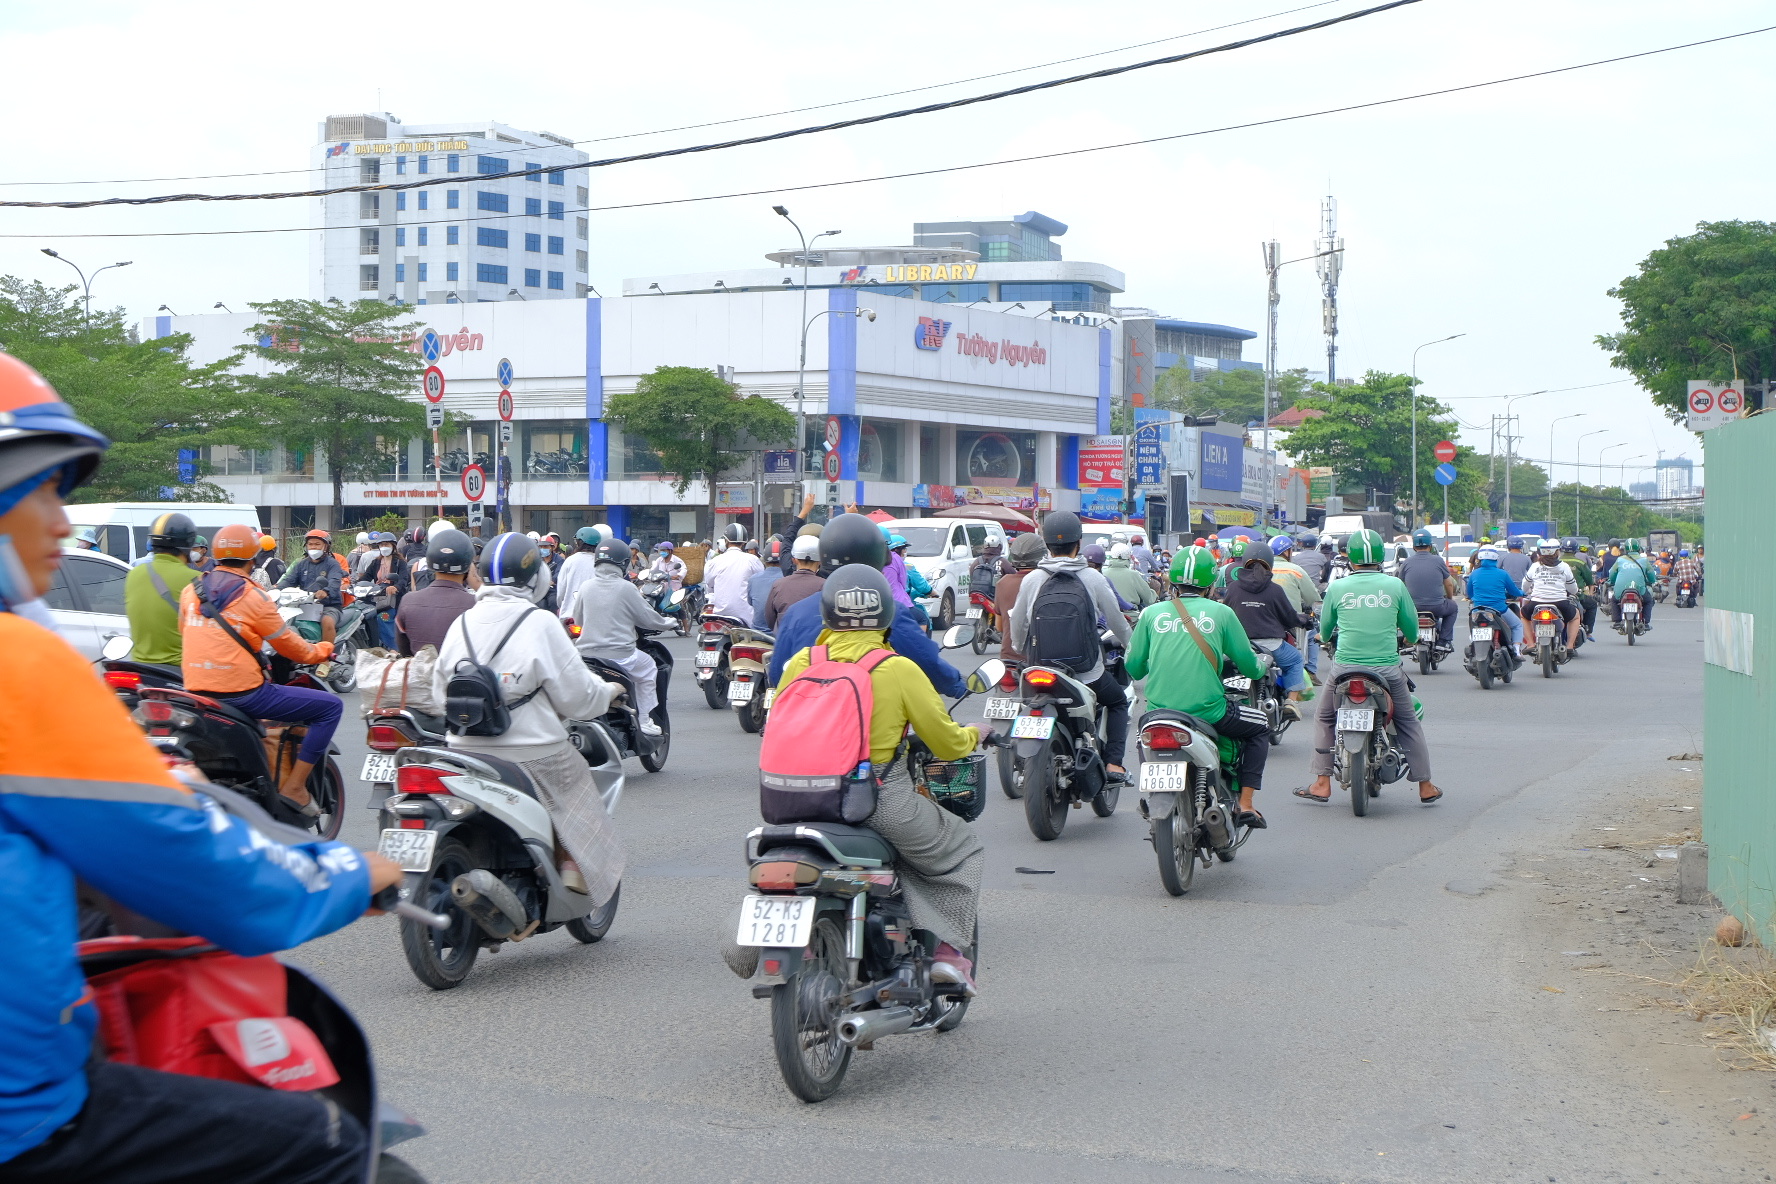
[
  {"x": 1444, "y": 451},
  {"x": 832, "y": 432},
  {"x": 476, "y": 514},
  {"x": 474, "y": 482},
  {"x": 1729, "y": 401},
  {"x": 429, "y": 345},
  {"x": 505, "y": 431},
  {"x": 505, "y": 405},
  {"x": 832, "y": 466},
  {"x": 1445, "y": 474},
  {"x": 434, "y": 416},
  {"x": 434, "y": 384},
  {"x": 1712, "y": 404},
  {"x": 505, "y": 371}
]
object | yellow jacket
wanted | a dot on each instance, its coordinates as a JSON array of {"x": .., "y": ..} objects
[{"x": 903, "y": 695}]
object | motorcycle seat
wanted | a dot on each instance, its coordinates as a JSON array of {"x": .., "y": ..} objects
[
  {"x": 172, "y": 675},
  {"x": 851, "y": 842},
  {"x": 1160, "y": 715},
  {"x": 509, "y": 772}
]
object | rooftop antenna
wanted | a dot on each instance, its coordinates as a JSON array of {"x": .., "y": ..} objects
[{"x": 1330, "y": 262}]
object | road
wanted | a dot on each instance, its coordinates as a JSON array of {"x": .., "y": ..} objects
[{"x": 1352, "y": 1000}]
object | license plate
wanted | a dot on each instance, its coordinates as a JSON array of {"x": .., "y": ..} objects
[
  {"x": 1544, "y": 633},
  {"x": 1480, "y": 635},
  {"x": 740, "y": 692},
  {"x": 378, "y": 767},
  {"x": 1632, "y": 610},
  {"x": 1165, "y": 776},
  {"x": 1002, "y": 708},
  {"x": 1033, "y": 727},
  {"x": 776, "y": 921},
  {"x": 412, "y": 849},
  {"x": 1237, "y": 683},
  {"x": 770, "y": 698},
  {"x": 708, "y": 658},
  {"x": 974, "y": 612},
  {"x": 1356, "y": 719}
]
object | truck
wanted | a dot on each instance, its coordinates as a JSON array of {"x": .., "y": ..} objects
[
  {"x": 1339, "y": 525},
  {"x": 1664, "y": 540}
]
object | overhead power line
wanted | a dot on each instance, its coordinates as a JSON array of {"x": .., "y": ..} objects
[{"x": 659, "y": 154}]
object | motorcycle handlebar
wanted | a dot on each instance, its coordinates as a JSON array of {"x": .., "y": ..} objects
[{"x": 389, "y": 901}]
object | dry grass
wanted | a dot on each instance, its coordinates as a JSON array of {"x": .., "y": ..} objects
[{"x": 1736, "y": 989}]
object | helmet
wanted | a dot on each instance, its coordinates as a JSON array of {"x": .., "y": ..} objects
[
  {"x": 317, "y": 535},
  {"x": 267, "y": 543},
  {"x": 1237, "y": 552},
  {"x": 201, "y": 541},
  {"x": 613, "y": 551},
  {"x": 1122, "y": 551},
  {"x": 533, "y": 536},
  {"x": 1310, "y": 539},
  {"x": 511, "y": 560},
  {"x": 236, "y": 542},
  {"x": 806, "y": 546},
  {"x": 364, "y": 537},
  {"x": 1633, "y": 547},
  {"x": 1684, "y": 554},
  {"x": 1569, "y": 546},
  {"x": 88, "y": 534},
  {"x": 588, "y": 536},
  {"x": 665, "y": 546},
  {"x": 897, "y": 542},
  {"x": 1547, "y": 548},
  {"x": 1061, "y": 528},
  {"x": 856, "y": 597},
  {"x": 1514, "y": 544},
  {"x": 1585, "y": 548},
  {"x": 39, "y": 436},
  {"x": 440, "y": 524},
  {"x": 812, "y": 528},
  {"x": 449, "y": 552},
  {"x": 852, "y": 538},
  {"x": 1027, "y": 551},
  {"x": 992, "y": 547},
  {"x": 1486, "y": 555},
  {"x": 604, "y": 530},
  {"x": 752, "y": 546},
  {"x": 1119, "y": 536},
  {"x": 1421, "y": 539},
  {"x": 1193, "y": 567},
  {"x": 1365, "y": 547},
  {"x": 1282, "y": 544},
  {"x": 1094, "y": 555},
  {"x": 1255, "y": 554},
  {"x": 173, "y": 531},
  {"x": 734, "y": 533}
]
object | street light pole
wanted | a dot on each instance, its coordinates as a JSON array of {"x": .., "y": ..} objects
[
  {"x": 802, "y": 362},
  {"x": 86, "y": 282},
  {"x": 1574, "y": 415},
  {"x": 1509, "y": 450},
  {"x": 1578, "y": 474},
  {"x": 1412, "y": 514},
  {"x": 870, "y": 313},
  {"x": 1604, "y": 449},
  {"x": 1622, "y": 472}
]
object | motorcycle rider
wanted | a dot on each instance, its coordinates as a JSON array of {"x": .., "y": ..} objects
[
  {"x": 1370, "y": 612},
  {"x": 1516, "y": 562},
  {"x": 798, "y": 585},
  {"x": 199, "y": 555},
  {"x": 544, "y": 681},
  {"x": 1431, "y": 584},
  {"x": 609, "y": 609},
  {"x": 549, "y": 549},
  {"x": 151, "y": 590},
  {"x": 318, "y": 573},
  {"x": 388, "y": 571},
  {"x": 1687, "y": 567},
  {"x": 1304, "y": 596},
  {"x": 1586, "y": 581},
  {"x": 1262, "y": 605},
  {"x": 1551, "y": 582},
  {"x": 1631, "y": 571},
  {"x": 728, "y": 574},
  {"x": 268, "y": 569},
  {"x": 1183, "y": 668},
  {"x": 1026, "y": 552},
  {"x": 938, "y": 856},
  {"x": 577, "y": 567},
  {"x": 669, "y": 565},
  {"x": 758, "y": 589},
  {"x": 425, "y": 616},
  {"x": 1141, "y": 557},
  {"x": 1310, "y": 560},
  {"x": 1128, "y": 583},
  {"x": 983, "y": 577},
  {"x": 848, "y": 539},
  {"x": 1489, "y": 586},
  {"x": 224, "y": 619},
  {"x": 1061, "y": 534}
]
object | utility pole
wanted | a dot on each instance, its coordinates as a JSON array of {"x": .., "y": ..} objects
[
  {"x": 1329, "y": 261},
  {"x": 1273, "y": 260}
]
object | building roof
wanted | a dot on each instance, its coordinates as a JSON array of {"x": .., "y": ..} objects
[
  {"x": 1206, "y": 329},
  {"x": 1293, "y": 417}
]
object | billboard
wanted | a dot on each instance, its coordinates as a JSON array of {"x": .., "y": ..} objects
[
  {"x": 1222, "y": 458},
  {"x": 1153, "y": 432},
  {"x": 1100, "y": 463}
]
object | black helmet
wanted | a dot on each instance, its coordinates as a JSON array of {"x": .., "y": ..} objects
[
  {"x": 612, "y": 551},
  {"x": 734, "y": 533},
  {"x": 510, "y": 559},
  {"x": 856, "y": 597},
  {"x": 449, "y": 552},
  {"x": 853, "y": 538},
  {"x": 174, "y": 531},
  {"x": 1061, "y": 528}
]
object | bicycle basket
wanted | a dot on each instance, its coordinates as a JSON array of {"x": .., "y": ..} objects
[{"x": 957, "y": 785}]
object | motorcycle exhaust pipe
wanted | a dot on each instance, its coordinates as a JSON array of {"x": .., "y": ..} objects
[
  {"x": 1219, "y": 825},
  {"x": 485, "y": 897},
  {"x": 865, "y": 1027}
]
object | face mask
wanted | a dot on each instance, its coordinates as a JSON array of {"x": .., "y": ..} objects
[
  {"x": 315, "y": 553},
  {"x": 386, "y": 550},
  {"x": 197, "y": 557}
]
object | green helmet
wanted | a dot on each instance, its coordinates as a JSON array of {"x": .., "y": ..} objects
[
  {"x": 1194, "y": 567},
  {"x": 1237, "y": 552},
  {"x": 1633, "y": 547},
  {"x": 1365, "y": 547},
  {"x": 1422, "y": 538}
]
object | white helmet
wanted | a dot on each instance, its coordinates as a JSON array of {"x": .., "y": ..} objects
[
  {"x": 434, "y": 528},
  {"x": 1121, "y": 551},
  {"x": 806, "y": 546},
  {"x": 533, "y": 536},
  {"x": 363, "y": 537},
  {"x": 604, "y": 530},
  {"x": 1119, "y": 536}
]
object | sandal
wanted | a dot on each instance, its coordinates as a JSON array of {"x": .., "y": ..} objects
[
  {"x": 1432, "y": 800},
  {"x": 1252, "y": 819},
  {"x": 1314, "y": 797}
]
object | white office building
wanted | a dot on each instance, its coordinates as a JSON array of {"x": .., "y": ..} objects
[{"x": 473, "y": 237}]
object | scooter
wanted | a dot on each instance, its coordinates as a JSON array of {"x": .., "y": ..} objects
[
  {"x": 1266, "y": 693},
  {"x": 1365, "y": 754},
  {"x": 621, "y": 722},
  {"x": 682, "y": 606},
  {"x": 1056, "y": 724},
  {"x": 1187, "y": 782},
  {"x": 1550, "y": 638},
  {"x": 749, "y": 664},
  {"x": 713, "y": 672},
  {"x": 356, "y": 630},
  {"x": 1686, "y": 594},
  {"x": 1490, "y": 654},
  {"x": 986, "y": 621},
  {"x": 1429, "y": 651},
  {"x": 1632, "y": 624}
]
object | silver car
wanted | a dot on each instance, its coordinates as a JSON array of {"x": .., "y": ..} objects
[{"x": 87, "y": 600}]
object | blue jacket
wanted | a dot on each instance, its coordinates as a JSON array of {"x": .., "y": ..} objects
[
  {"x": 1489, "y": 584},
  {"x": 800, "y": 625},
  {"x": 758, "y": 589}
]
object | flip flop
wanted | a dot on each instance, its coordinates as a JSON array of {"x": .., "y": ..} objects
[
  {"x": 1313, "y": 797},
  {"x": 1432, "y": 800},
  {"x": 1252, "y": 819}
]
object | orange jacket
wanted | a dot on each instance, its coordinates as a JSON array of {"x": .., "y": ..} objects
[{"x": 213, "y": 660}]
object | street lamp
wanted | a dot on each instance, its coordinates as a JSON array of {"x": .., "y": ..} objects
[
  {"x": 1574, "y": 415},
  {"x": 1510, "y": 446},
  {"x": 517, "y": 293},
  {"x": 1622, "y": 470},
  {"x": 165, "y": 309},
  {"x": 222, "y": 306},
  {"x": 1578, "y": 474},
  {"x": 86, "y": 281},
  {"x": 1412, "y": 514},
  {"x": 802, "y": 362},
  {"x": 1604, "y": 449}
]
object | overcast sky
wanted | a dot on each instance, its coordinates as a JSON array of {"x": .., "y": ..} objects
[{"x": 1503, "y": 213}]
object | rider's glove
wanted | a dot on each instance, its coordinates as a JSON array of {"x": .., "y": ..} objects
[{"x": 326, "y": 648}]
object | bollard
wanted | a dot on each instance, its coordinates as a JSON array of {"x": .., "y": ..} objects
[{"x": 1692, "y": 874}]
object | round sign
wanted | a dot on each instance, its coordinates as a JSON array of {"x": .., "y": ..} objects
[
  {"x": 434, "y": 384},
  {"x": 474, "y": 482},
  {"x": 429, "y": 346},
  {"x": 832, "y": 431},
  {"x": 1730, "y": 401},
  {"x": 1445, "y": 450},
  {"x": 505, "y": 372},
  {"x": 505, "y": 405},
  {"x": 1445, "y": 474},
  {"x": 832, "y": 466},
  {"x": 1701, "y": 401}
]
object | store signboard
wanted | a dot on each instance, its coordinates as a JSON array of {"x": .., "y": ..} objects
[
  {"x": 733, "y": 498},
  {"x": 1100, "y": 462},
  {"x": 1222, "y": 458},
  {"x": 945, "y": 497}
]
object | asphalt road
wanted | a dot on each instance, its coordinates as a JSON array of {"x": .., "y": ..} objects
[{"x": 1353, "y": 999}]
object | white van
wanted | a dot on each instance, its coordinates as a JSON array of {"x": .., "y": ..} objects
[
  {"x": 943, "y": 550},
  {"x": 123, "y": 526}
]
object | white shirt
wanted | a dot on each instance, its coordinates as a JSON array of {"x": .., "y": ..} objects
[
  {"x": 1545, "y": 583},
  {"x": 576, "y": 569},
  {"x": 726, "y": 577}
]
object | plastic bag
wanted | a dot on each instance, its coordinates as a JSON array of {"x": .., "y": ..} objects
[{"x": 388, "y": 682}]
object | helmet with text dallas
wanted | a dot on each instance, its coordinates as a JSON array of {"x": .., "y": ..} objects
[
  {"x": 856, "y": 597},
  {"x": 1365, "y": 547},
  {"x": 1194, "y": 567}
]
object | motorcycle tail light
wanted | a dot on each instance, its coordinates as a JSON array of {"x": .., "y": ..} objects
[
  {"x": 1357, "y": 691},
  {"x": 123, "y": 680},
  {"x": 773, "y": 966},
  {"x": 387, "y": 738},
  {"x": 1041, "y": 678},
  {"x": 1009, "y": 680},
  {"x": 1545, "y": 614},
  {"x": 746, "y": 653},
  {"x": 1166, "y": 739},
  {"x": 573, "y": 630},
  {"x": 420, "y": 779},
  {"x": 784, "y": 876}
]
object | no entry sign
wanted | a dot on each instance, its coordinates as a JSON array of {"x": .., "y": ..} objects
[{"x": 1445, "y": 450}]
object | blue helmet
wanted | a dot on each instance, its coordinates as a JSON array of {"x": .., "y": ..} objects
[{"x": 1281, "y": 544}]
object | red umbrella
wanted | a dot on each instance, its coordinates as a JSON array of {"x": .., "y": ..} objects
[{"x": 879, "y": 516}]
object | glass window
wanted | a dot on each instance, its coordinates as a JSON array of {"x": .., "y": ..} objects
[
  {"x": 903, "y": 291},
  {"x": 452, "y": 236},
  {"x": 422, "y": 272},
  {"x": 425, "y": 163},
  {"x": 930, "y": 444},
  {"x": 452, "y": 271},
  {"x": 490, "y": 273},
  {"x": 581, "y": 260},
  {"x": 557, "y": 211},
  {"x": 925, "y": 542},
  {"x": 977, "y": 538},
  {"x": 401, "y": 200},
  {"x": 533, "y": 277},
  {"x": 232, "y": 461},
  {"x": 400, "y": 165},
  {"x": 629, "y": 455},
  {"x": 487, "y": 200},
  {"x": 557, "y": 178},
  {"x": 100, "y": 582},
  {"x": 59, "y": 596},
  {"x": 533, "y": 242},
  {"x": 581, "y": 226},
  {"x": 424, "y": 198},
  {"x": 533, "y": 206},
  {"x": 487, "y": 236},
  {"x": 492, "y": 164},
  {"x": 400, "y": 236},
  {"x": 557, "y": 281},
  {"x": 423, "y": 236},
  {"x": 1065, "y": 297},
  {"x": 955, "y": 293},
  {"x": 452, "y": 163},
  {"x": 552, "y": 449},
  {"x": 400, "y": 273},
  {"x": 1001, "y": 459},
  {"x": 473, "y": 445},
  {"x": 533, "y": 172},
  {"x": 452, "y": 199},
  {"x": 878, "y": 450},
  {"x": 557, "y": 245}
]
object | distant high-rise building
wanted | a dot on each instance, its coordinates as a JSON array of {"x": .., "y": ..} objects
[
  {"x": 1024, "y": 238},
  {"x": 466, "y": 240},
  {"x": 1673, "y": 477},
  {"x": 1645, "y": 491}
]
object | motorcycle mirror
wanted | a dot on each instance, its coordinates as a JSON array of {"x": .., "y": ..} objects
[
  {"x": 957, "y": 636},
  {"x": 959, "y": 551},
  {"x": 987, "y": 676},
  {"x": 677, "y": 597},
  {"x": 117, "y": 647}
]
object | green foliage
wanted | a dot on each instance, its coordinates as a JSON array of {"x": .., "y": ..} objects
[
  {"x": 694, "y": 420},
  {"x": 1607, "y": 512},
  {"x": 1236, "y": 396},
  {"x": 1702, "y": 307},
  {"x": 144, "y": 395},
  {"x": 390, "y": 523},
  {"x": 1365, "y": 435},
  {"x": 337, "y": 378}
]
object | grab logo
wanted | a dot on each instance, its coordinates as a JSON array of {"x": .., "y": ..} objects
[
  {"x": 1205, "y": 624},
  {"x": 1352, "y": 600}
]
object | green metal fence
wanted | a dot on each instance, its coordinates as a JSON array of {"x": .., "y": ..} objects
[{"x": 1739, "y": 678}]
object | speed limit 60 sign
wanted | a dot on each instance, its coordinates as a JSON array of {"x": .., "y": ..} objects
[
  {"x": 474, "y": 482},
  {"x": 1714, "y": 403}
]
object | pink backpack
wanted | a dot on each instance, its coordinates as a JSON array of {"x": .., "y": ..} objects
[{"x": 814, "y": 764}]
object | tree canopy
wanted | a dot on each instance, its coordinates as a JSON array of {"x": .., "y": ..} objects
[
  {"x": 1365, "y": 434},
  {"x": 694, "y": 420},
  {"x": 1235, "y": 396},
  {"x": 1702, "y": 307}
]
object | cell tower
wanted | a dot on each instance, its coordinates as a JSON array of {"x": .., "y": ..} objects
[{"x": 1329, "y": 261}]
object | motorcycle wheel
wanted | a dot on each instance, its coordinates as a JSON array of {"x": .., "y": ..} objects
[
  {"x": 344, "y": 679},
  {"x": 1104, "y": 801},
  {"x": 594, "y": 925},
  {"x": 957, "y": 1009},
  {"x": 1425, "y": 665},
  {"x": 1045, "y": 802},
  {"x": 810, "y": 1055},
  {"x": 1545, "y": 653},
  {"x": 442, "y": 958},
  {"x": 1631, "y": 632},
  {"x": 327, "y": 788},
  {"x": 1177, "y": 858},
  {"x": 1011, "y": 773},
  {"x": 715, "y": 692},
  {"x": 1509, "y": 668},
  {"x": 752, "y": 712},
  {"x": 1356, "y": 768},
  {"x": 1483, "y": 670},
  {"x": 655, "y": 759},
  {"x": 982, "y": 636}
]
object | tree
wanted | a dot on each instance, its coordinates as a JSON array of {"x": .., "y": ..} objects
[
  {"x": 694, "y": 420},
  {"x": 1365, "y": 435},
  {"x": 146, "y": 396},
  {"x": 1235, "y": 396},
  {"x": 340, "y": 379},
  {"x": 1703, "y": 307}
]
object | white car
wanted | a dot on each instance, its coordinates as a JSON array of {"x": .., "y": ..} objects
[
  {"x": 943, "y": 550},
  {"x": 87, "y": 600}
]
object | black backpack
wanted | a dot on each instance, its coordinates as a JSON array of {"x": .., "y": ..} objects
[
  {"x": 1063, "y": 628},
  {"x": 474, "y": 702}
]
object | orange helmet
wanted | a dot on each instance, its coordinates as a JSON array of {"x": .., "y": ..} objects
[
  {"x": 267, "y": 543},
  {"x": 318, "y": 534},
  {"x": 39, "y": 436},
  {"x": 235, "y": 542}
]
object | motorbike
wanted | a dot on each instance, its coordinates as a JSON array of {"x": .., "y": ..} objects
[
  {"x": 621, "y": 722},
  {"x": 1490, "y": 655},
  {"x": 749, "y": 663},
  {"x": 1632, "y": 624},
  {"x": 1365, "y": 756},
  {"x": 828, "y": 934},
  {"x": 1189, "y": 795},
  {"x": 683, "y": 606},
  {"x": 1550, "y": 638},
  {"x": 356, "y": 630},
  {"x": 715, "y": 637},
  {"x": 1686, "y": 594},
  {"x": 1428, "y": 651},
  {"x": 1661, "y": 589},
  {"x": 1266, "y": 693},
  {"x": 1010, "y": 768},
  {"x": 478, "y": 849},
  {"x": 986, "y": 622}
]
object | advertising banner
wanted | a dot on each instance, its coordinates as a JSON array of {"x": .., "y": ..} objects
[
  {"x": 946, "y": 497},
  {"x": 735, "y": 498},
  {"x": 1221, "y": 463},
  {"x": 1100, "y": 505},
  {"x": 1100, "y": 462},
  {"x": 1152, "y": 434}
]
